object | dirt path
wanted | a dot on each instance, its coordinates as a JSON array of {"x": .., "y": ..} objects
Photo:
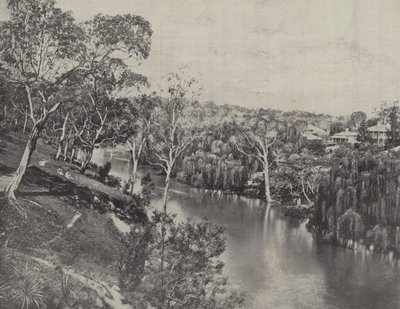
[{"x": 110, "y": 295}]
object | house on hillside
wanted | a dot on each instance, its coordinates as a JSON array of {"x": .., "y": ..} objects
[
  {"x": 344, "y": 137},
  {"x": 380, "y": 134}
]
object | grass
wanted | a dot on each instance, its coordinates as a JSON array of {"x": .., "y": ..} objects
[{"x": 90, "y": 247}]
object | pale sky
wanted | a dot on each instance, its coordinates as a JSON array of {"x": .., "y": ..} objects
[{"x": 333, "y": 56}]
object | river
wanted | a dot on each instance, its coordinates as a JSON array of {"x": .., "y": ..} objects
[{"x": 274, "y": 258}]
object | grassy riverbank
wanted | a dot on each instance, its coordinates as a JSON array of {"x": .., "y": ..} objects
[
  {"x": 74, "y": 242},
  {"x": 68, "y": 230}
]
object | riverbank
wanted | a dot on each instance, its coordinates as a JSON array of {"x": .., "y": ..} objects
[
  {"x": 68, "y": 230},
  {"x": 293, "y": 210},
  {"x": 252, "y": 190},
  {"x": 279, "y": 262}
]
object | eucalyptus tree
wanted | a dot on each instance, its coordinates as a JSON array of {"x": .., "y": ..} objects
[
  {"x": 112, "y": 40},
  {"x": 173, "y": 125},
  {"x": 138, "y": 116},
  {"x": 63, "y": 136},
  {"x": 173, "y": 130},
  {"x": 307, "y": 170},
  {"x": 41, "y": 49},
  {"x": 10, "y": 115},
  {"x": 258, "y": 136},
  {"x": 383, "y": 112},
  {"x": 336, "y": 127},
  {"x": 356, "y": 119},
  {"x": 99, "y": 120},
  {"x": 58, "y": 128}
]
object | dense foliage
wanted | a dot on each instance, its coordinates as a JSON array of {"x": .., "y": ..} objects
[
  {"x": 359, "y": 202},
  {"x": 213, "y": 161},
  {"x": 70, "y": 83},
  {"x": 193, "y": 277}
]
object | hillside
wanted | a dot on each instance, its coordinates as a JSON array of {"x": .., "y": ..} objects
[{"x": 70, "y": 228}]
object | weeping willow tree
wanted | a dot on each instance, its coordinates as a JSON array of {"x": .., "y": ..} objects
[
  {"x": 360, "y": 200},
  {"x": 216, "y": 169}
]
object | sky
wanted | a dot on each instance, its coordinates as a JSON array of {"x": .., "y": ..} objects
[{"x": 325, "y": 56}]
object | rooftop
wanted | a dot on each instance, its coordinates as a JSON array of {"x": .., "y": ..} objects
[
  {"x": 344, "y": 134},
  {"x": 379, "y": 128}
]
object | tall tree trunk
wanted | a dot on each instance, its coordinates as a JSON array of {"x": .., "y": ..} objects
[
  {"x": 66, "y": 144},
  {"x": 62, "y": 139},
  {"x": 25, "y": 122},
  {"x": 165, "y": 201},
  {"x": 24, "y": 163},
  {"x": 86, "y": 160},
  {"x": 135, "y": 155},
  {"x": 166, "y": 190},
  {"x": 134, "y": 173},
  {"x": 304, "y": 191},
  {"x": 72, "y": 158},
  {"x": 59, "y": 149},
  {"x": 268, "y": 198}
]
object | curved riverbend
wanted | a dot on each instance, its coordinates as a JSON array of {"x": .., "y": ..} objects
[{"x": 277, "y": 261}]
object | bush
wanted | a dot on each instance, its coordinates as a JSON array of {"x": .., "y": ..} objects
[
  {"x": 113, "y": 181},
  {"x": 20, "y": 287},
  {"x": 193, "y": 276},
  {"x": 104, "y": 170}
]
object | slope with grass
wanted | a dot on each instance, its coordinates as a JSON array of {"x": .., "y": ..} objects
[{"x": 66, "y": 230}]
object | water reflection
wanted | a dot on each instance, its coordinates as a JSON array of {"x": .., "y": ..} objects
[{"x": 276, "y": 260}]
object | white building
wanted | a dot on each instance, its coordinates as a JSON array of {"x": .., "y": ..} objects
[
  {"x": 344, "y": 137},
  {"x": 380, "y": 133}
]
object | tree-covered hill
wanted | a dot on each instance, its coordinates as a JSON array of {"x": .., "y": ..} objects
[{"x": 214, "y": 162}]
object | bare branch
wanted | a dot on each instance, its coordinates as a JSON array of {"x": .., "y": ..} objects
[
  {"x": 250, "y": 155},
  {"x": 54, "y": 108},
  {"x": 19, "y": 109},
  {"x": 161, "y": 158},
  {"x": 158, "y": 164}
]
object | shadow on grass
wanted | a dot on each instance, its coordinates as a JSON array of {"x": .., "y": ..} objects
[
  {"x": 38, "y": 183},
  {"x": 4, "y": 170}
]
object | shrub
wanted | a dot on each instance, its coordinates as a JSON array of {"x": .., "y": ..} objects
[
  {"x": 104, "y": 170},
  {"x": 6, "y": 267},
  {"x": 113, "y": 181},
  {"x": 65, "y": 293},
  {"x": 192, "y": 276},
  {"x": 135, "y": 251},
  {"x": 28, "y": 292}
]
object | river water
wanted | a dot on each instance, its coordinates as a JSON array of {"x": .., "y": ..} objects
[{"x": 274, "y": 258}]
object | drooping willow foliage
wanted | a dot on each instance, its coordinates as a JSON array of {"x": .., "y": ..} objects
[
  {"x": 360, "y": 201},
  {"x": 215, "y": 164}
]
